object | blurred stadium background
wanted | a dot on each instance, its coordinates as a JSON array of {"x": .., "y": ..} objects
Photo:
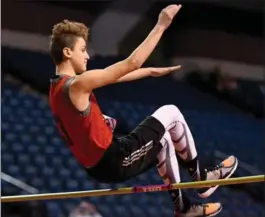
[{"x": 220, "y": 90}]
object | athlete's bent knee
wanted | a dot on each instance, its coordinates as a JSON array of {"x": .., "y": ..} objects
[
  {"x": 168, "y": 114},
  {"x": 172, "y": 110}
]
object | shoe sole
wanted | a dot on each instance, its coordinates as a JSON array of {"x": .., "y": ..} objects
[
  {"x": 209, "y": 192},
  {"x": 214, "y": 214}
]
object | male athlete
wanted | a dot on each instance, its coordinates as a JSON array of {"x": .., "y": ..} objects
[{"x": 157, "y": 139}]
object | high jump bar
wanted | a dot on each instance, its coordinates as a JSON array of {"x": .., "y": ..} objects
[{"x": 136, "y": 189}]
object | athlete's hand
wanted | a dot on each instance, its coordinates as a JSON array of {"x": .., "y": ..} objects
[
  {"x": 157, "y": 72},
  {"x": 167, "y": 15}
]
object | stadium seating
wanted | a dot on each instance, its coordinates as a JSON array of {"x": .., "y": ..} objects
[{"x": 33, "y": 152}]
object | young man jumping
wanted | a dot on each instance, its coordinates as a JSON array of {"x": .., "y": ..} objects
[{"x": 154, "y": 142}]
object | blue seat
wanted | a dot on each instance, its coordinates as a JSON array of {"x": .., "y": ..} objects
[
  {"x": 7, "y": 158},
  {"x": 53, "y": 184}
]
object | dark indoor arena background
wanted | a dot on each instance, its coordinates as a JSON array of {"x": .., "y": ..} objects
[{"x": 220, "y": 90}]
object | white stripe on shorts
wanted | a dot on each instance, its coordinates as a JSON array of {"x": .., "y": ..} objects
[{"x": 136, "y": 155}]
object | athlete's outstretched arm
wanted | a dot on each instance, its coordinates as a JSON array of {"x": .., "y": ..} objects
[
  {"x": 93, "y": 79},
  {"x": 146, "y": 72}
]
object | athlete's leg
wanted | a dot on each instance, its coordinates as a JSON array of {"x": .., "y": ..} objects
[
  {"x": 146, "y": 146},
  {"x": 137, "y": 152},
  {"x": 169, "y": 171},
  {"x": 174, "y": 122}
]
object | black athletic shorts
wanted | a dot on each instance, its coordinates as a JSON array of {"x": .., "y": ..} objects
[{"x": 130, "y": 155}]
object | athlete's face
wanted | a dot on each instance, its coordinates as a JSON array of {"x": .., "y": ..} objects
[{"x": 79, "y": 56}]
